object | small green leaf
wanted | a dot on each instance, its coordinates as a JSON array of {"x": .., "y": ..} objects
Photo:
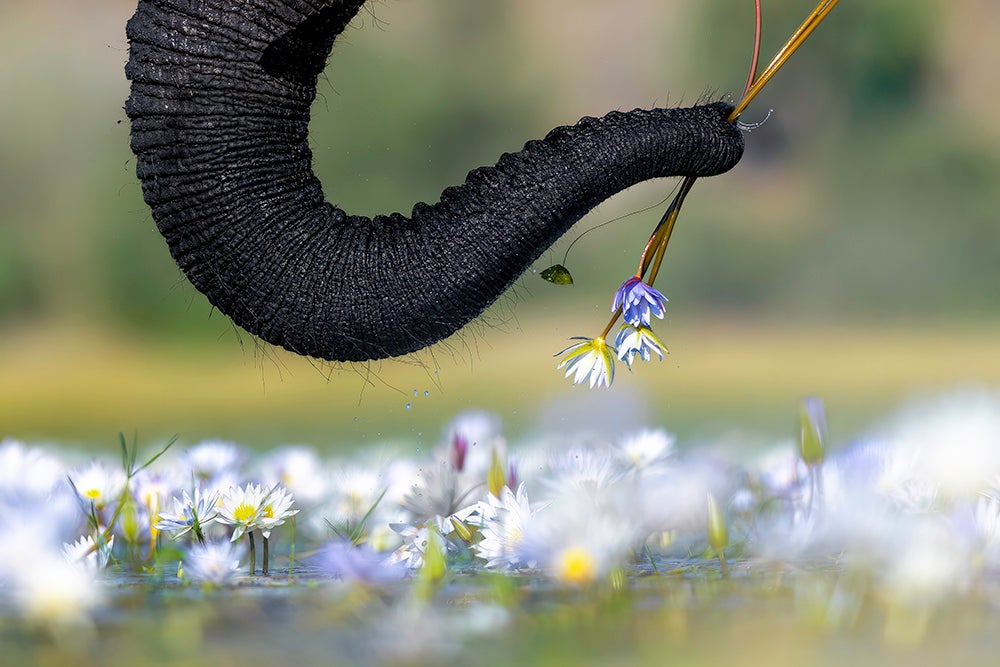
[{"x": 557, "y": 274}]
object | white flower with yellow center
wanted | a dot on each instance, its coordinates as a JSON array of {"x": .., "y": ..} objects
[
  {"x": 581, "y": 537},
  {"x": 590, "y": 358},
  {"x": 276, "y": 507},
  {"x": 242, "y": 508},
  {"x": 575, "y": 565},
  {"x": 98, "y": 485},
  {"x": 254, "y": 508}
]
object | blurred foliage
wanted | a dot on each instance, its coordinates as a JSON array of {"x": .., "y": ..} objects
[
  {"x": 868, "y": 191},
  {"x": 872, "y": 58},
  {"x": 868, "y": 196}
]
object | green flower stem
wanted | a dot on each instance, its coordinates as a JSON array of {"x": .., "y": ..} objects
[
  {"x": 253, "y": 553},
  {"x": 664, "y": 229},
  {"x": 196, "y": 527},
  {"x": 265, "y": 566},
  {"x": 611, "y": 323},
  {"x": 291, "y": 555}
]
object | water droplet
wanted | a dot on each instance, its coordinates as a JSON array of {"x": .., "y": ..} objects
[
  {"x": 426, "y": 393},
  {"x": 414, "y": 392},
  {"x": 408, "y": 406}
]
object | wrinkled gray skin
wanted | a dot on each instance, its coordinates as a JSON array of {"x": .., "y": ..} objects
[{"x": 220, "y": 100}]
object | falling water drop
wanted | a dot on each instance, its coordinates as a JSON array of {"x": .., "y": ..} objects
[{"x": 408, "y": 406}]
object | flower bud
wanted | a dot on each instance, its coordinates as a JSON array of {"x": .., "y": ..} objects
[
  {"x": 495, "y": 478},
  {"x": 812, "y": 431},
  {"x": 459, "y": 448},
  {"x": 462, "y": 529},
  {"x": 718, "y": 534}
]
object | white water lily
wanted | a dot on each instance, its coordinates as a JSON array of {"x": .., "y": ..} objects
[
  {"x": 88, "y": 554},
  {"x": 241, "y": 508},
  {"x": 501, "y": 523},
  {"x": 190, "y": 514},
  {"x": 590, "y": 358},
  {"x": 633, "y": 341}
]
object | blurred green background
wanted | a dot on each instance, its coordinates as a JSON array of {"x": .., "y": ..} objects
[{"x": 853, "y": 253}]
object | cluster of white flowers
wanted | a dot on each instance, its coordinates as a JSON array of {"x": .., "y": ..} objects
[{"x": 915, "y": 505}]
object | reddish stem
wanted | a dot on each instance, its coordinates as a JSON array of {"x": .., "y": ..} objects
[{"x": 756, "y": 47}]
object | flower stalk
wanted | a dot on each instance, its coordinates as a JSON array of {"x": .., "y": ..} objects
[
  {"x": 718, "y": 533},
  {"x": 253, "y": 553},
  {"x": 591, "y": 358}
]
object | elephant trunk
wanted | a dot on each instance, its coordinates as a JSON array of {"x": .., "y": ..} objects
[{"x": 220, "y": 101}]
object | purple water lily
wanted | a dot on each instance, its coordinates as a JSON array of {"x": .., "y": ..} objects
[{"x": 639, "y": 301}]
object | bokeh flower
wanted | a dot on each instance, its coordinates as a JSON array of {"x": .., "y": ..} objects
[
  {"x": 27, "y": 471},
  {"x": 52, "y": 591},
  {"x": 501, "y": 522},
  {"x": 212, "y": 459},
  {"x": 361, "y": 563},
  {"x": 88, "y": 554},
  {"x": 583, "y": 535},
  {"x": 214, "y": 562},
  {"x": 300, "y": 470},
  {"x": 98, "y": 484},
  {"x": 645, "y": 449}
]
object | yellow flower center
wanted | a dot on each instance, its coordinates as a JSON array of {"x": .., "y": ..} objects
[
  {"x": 267, "y": 512},
  {"x": 575, "y": 565},
  {"x": 244, "y": 513},
  {"x": 93, "y": 494}
]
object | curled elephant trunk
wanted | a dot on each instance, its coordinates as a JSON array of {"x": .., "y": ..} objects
[{"x": 220, "y": 101}]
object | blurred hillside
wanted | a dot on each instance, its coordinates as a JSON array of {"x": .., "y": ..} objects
[{"x": 868, "y": 196}]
